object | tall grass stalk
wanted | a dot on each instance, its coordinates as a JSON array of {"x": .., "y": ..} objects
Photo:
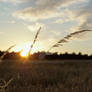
[
  {"x": 6, "y": 52},
  {"x": 34, "y": 41},
  {"x": 67, "y": 38}
]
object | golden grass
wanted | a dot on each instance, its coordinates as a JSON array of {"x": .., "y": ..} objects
[{"x": 47, "y": 77}]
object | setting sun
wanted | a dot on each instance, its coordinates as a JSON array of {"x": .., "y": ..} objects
[{"x": 24, "y": 52}]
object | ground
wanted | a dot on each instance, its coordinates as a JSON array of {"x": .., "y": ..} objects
[{"x": 47, "y": 76}]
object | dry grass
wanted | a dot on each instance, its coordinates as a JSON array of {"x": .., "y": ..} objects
[
  {"x": 1, "y": 57},
  {"x": 47, "y": 77},
  {"x": 4, "y": 84},
  {"x": 67, "y": 38}
]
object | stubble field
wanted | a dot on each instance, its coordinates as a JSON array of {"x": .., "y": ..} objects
[{"x": 46, "y": 76}]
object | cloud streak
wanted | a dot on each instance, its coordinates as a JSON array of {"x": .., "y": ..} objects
[
  {"x": 44, "y": 9},
  {"x": 14, "y": 1},
  {"x": 84, "y": 15}
]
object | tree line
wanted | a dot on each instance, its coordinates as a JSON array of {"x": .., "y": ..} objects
[{"x": 47, "y": 56}]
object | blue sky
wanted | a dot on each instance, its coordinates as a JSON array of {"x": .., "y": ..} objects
[{"x": 20, "y": 19}]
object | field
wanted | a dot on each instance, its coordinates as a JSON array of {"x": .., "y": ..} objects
[{"x": 46, "y": 76}]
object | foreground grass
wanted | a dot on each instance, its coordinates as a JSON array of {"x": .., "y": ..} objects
[{"x": 47, "y": 77}]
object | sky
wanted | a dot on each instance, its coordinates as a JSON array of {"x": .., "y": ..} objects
[{"x": 20, "y": 20}]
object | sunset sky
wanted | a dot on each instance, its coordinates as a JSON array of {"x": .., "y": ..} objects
[{"x": 20, "y": 20}]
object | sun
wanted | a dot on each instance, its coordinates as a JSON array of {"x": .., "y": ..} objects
[
  {"x": 25, "y": 51},
  {"x": 24, "y": 54}
]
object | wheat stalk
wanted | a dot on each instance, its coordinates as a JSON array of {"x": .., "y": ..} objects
[
  {"x": 1, "y": 57},
  {"x": 5, "y": 84},
  {"x": 67, "y": 38},
  {"x": 34, "y": 41}
]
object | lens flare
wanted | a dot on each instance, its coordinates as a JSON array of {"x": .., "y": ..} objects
[{"x": 25, "y": 51}]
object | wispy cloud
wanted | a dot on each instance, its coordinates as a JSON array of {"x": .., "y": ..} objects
[
  {"x": 44, "y": 9},
  {"x": 14, "y": 1},
  {"x": 84, "y": 16},
  {"x": 34, "y": 27},
  {"x": 1, "y": 33}
]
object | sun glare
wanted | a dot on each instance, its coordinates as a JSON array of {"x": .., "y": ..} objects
[
  {"x": 25, "y": 51},
  {"x": 24, "y": 54}
]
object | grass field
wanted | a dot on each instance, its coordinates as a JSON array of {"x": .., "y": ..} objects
[{"x": 47, "y": 76}]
